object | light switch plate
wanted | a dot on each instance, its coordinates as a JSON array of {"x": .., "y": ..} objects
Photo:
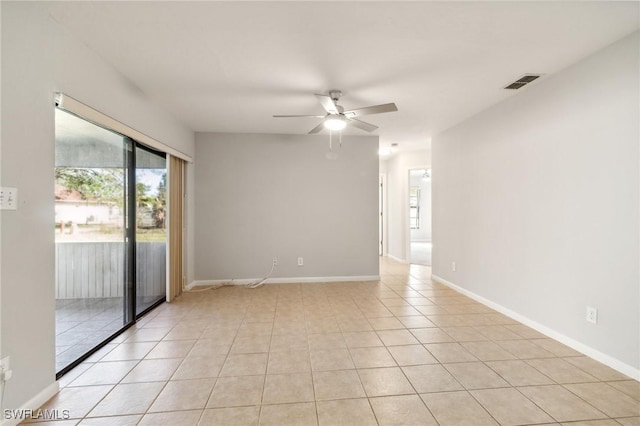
[{"x": 8, "y": 198}]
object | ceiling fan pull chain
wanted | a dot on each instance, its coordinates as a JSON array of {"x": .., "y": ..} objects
[{"x": 340, "y": 139}]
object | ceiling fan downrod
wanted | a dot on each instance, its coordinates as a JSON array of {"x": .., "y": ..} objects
[{"x": 335, "y": 95}]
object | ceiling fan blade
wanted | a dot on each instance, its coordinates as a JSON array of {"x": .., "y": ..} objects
[
  {"x": 299, "y": 116},
  {"x": 362, "y": 125},
  {"x": 317, "y": 128},
  {"x": 376, "y": 109},
  {"x": 328, "y": 104}
]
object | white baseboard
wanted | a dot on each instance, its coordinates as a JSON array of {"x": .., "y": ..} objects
[
  {"x": 608, "y": 360},
  {"x": 33, "y": 404},
  {"x": 350, "y": 278},
  {"x": 397, "y": 259}
]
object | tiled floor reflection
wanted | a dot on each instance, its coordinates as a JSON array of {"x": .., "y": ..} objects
[
  {"x": 81, "y": 324},
  {"x": 405, "y": 350}
]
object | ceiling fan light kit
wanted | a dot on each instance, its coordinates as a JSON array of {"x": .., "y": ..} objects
[
  {"x": 336, "y": 118},
  {"x": 335, "y": 122}
]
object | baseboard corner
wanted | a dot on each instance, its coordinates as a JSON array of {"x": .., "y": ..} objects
[{"x": 589, "y": 351}]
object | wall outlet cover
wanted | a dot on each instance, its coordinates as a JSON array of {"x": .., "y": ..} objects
[{"x": 592, "y": 315}]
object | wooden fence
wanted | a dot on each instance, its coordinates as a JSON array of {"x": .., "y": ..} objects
[{"x": 91, "y": 270}]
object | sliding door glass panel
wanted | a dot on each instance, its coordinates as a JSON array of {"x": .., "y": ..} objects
[
  {"x": 91, "y": 273},
  {"x": 151, "y": 229}
]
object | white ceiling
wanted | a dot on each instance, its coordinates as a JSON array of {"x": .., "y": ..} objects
[{"x": 230, "y": 66}]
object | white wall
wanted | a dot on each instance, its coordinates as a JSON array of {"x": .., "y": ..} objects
[
  {"x": 260, "y": 196},
  {"x": 39, "y": 59},
  {"x": 397, "y": 170},
  {"x": 536, "y": 199}
]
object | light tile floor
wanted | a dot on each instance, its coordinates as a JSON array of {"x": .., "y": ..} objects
[
  {"x": 421, "y": 253},
  {"x": 405, "y": 350}
]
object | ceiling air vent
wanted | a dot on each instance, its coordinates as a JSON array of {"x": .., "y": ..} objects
[{"x": 523, "y": 81}]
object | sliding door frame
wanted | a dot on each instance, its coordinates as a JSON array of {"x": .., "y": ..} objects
[
  {"x": 91, "y": 115},
  {"x": 130, "y": 261},
  {"x": 130, "y": 316}
]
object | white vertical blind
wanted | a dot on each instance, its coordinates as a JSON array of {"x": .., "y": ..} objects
[{"x": 176, "y": 225}]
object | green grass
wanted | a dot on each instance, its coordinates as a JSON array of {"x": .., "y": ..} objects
[
  {"x": 110, "y": 233},
  {"x": 151, "y": 235}
]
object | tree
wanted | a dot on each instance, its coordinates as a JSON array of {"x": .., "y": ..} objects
[
  {"x": 107, "y": 186},
  {"x": 95, "y": 184},
  {"x": 159, "y": 211}
]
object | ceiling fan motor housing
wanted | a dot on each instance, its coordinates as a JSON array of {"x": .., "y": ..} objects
[{"x": 335, "y": 94}]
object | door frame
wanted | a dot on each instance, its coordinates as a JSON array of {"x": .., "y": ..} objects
[
  {"x": 382, "y": 215},
  {"x": 130, "y": 314}
]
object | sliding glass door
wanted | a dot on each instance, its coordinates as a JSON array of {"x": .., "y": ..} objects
[
  {"x": 91, "y": 241},
  {"x": 110, "y": 235},
  {"x": 151, "y": 228}
]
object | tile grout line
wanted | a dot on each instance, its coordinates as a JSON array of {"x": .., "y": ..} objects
[{"x": 367, "y": 301}]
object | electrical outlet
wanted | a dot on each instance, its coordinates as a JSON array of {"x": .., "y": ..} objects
[
  {"x": 300, "y": 261},
  {"x": 5, "y": 369},
  {"x": 592, "y": 315},
  {"x": 453, "y": 266},
  {"x": 275, "y": 261}
]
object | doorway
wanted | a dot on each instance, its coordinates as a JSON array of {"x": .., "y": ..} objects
[{"x": 420, "y": 216}]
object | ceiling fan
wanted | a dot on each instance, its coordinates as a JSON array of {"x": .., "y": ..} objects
[{"x": 337, "y": 118}]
